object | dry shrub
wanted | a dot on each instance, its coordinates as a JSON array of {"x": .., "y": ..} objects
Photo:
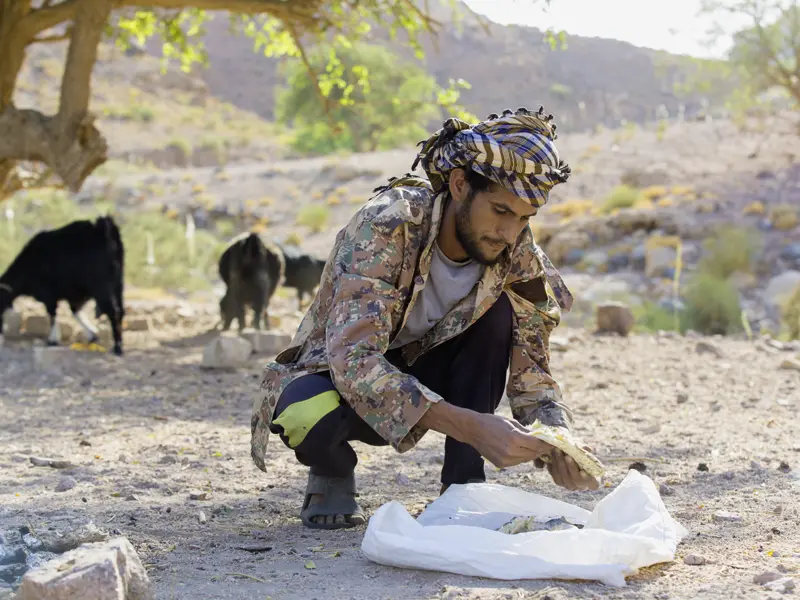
[{"x": 622, "y": 196}]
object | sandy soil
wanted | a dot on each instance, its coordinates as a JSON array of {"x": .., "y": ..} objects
[{"x": 147, "y": 429}]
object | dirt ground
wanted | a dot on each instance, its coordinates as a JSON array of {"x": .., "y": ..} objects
[{"x": 147, "y": 429}]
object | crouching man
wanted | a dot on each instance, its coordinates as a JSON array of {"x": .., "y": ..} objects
[{"x": 431, "y": 292}]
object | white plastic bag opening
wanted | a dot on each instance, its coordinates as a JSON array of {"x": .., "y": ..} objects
[{"x": 457, "y": 533}]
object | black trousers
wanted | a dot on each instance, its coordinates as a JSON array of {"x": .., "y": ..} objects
[{"x": 468, "y": 371}]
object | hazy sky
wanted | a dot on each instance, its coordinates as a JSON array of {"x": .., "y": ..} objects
[{"x": 670, "y": 25}]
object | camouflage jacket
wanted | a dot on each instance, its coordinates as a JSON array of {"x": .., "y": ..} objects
[{"x": 379, "y": 263}]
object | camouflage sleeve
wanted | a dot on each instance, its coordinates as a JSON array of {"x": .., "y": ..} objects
[
  {"x": 532, "y": 391},
  {"x": 359, "y": 327}
]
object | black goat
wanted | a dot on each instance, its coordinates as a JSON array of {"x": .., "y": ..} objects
[
  {"x": 303, "y": 271},
  {"x": 77, "y": 262},
  {"x": 251, "y": 268}
]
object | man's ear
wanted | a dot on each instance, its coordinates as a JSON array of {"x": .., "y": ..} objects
[{"x": 457, "y": 182}]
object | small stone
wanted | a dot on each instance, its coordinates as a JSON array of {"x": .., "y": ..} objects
[
  {"x": 37, "y": 326},
  {"x": 401, "y": 479},
  {"x": 784, "y": 467},
  {"x": 638, "y": 466},
  {"x": 198, "y": 495},
  {"x": 702, "y": 467},
  {"x": 66, "y": 483},
  {"x": 682, "y": 397},
  {"x": 12, "y": 325},
  {"x": 766, "y": 577},
  {"x": 201, "y": 517},
  {"x": 226, "y": 352},
  {"x": 777, "y": 510},
  {"x": 267, "y": 342},
  {"x": 55, "y": 463},
  {"x": 137, "y": 324},
  {"x": 168, "y": 459},
  {"x": 614, "y": 317},
  {"x": 706, "y": 347},
  {"x": 694, "y": 559},
  {"x": 790, "y": 364},
  {"x": 558, "y": 343},
  {"x": 784, "y": 585},
  {"x": 132, "y": 498},
  {"x": 665, "y": 490},
  {"x": 723, "y": 516}
]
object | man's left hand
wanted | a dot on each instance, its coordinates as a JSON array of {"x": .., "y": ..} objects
[{"x": 566, "y": 472}]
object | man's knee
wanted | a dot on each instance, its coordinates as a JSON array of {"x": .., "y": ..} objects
[{"x": 307, "y": 414}]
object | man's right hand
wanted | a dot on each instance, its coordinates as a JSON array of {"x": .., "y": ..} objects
[
  {"x": 501, "y": 441},
  {"x": 505, "y": 443}
]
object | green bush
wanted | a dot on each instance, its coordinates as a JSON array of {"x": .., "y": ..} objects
[
  {"x": 712, "y": 306},
  {"x": 652, "y": 317},
  {"x": 622, "y": 196},
  {"x": 314, "y": 216},
  {"x": 729, "y": 250},
  {"x": 791, "y": 315}
]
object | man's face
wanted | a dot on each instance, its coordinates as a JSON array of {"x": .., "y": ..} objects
[{"x": 488, "y": 222}]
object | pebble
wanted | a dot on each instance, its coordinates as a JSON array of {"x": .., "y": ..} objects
[
  {"x": 682, "y": 397},
  {"x": 665, "y": 490},
  {"x": 705, "y": 347},
  {"x": 790, "y": 364},
  {"x": 197, "y": 495},
  {"x": 784, "y": 585},
  {"x": 695, "y": 560},
  {"x": 201, "y": 516},
  {"x": 725, "y": 516},
  {"x": 766, "y": 577},
  {"x": 66, "y": 483}
]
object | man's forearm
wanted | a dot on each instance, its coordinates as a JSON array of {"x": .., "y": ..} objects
[{"x": 452, "y": 421}]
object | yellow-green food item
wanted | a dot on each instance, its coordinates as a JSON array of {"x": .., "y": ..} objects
[{"x": 568, "y": 443}]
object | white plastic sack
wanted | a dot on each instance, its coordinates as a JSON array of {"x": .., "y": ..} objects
[{"x": 457, "y": 533}]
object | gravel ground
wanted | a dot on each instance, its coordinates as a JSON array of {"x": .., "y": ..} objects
[{"x": 713, "y": 422}]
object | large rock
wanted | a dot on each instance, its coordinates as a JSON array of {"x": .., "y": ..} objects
[
  {"x": 99, "y": 571},
  {"x": 12, "y": 325},
  {"x": 614, "y": 317},
  {"x": 226, "y": 352},
  {"x": 267, "y": 342}
]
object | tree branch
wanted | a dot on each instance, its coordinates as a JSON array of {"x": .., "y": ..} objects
[
  {"x": 29, "y": 135},
  {"x": 76, "y": 84},
  {"x": 48, "y": 16}
]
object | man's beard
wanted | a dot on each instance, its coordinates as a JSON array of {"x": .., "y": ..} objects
[{"x": 467, "y": 237}]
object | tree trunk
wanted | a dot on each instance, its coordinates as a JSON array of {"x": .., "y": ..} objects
[
  {"x": 67, "y": 142},
  {"x": 12, "y": 55}
]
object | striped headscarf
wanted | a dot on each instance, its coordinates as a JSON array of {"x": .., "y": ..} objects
[{"x": 516, "y": 150}]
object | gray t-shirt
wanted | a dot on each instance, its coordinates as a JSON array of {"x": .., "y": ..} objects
[{"x": 448, "y": 282}]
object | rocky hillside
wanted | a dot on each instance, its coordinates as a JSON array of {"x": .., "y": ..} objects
[{"x": 590, "y": 82}]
